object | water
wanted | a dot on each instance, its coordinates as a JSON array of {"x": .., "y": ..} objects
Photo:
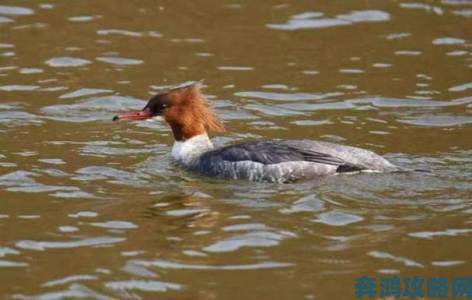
[{"x": 97, "y": 210}]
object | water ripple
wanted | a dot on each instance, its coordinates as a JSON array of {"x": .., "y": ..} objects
[
  {"x": 235, "y": 68},
  {"x": 461, "y": 88},
  {"x": 87, "y": 242},
  {"x": 337, "y": 218},
  {"x": 15, "y": 10},
  {"x": 22, "y": 181},
  {"x": 84, "y": 92},
  {"x": 117, "y": 176},
  {"x": 310, "y": 203},
  {"x": 83, "y": 18},
  {"x": 18, "y": 118},
  {"x": 272, "y": 110},
  {"x": 447, "y": 263},
  {"x": 84, "y": 214},
  {"x": 448, "y": 41},
  {"x": 120, "y": 61},
  {"x": 310, "y": 21},
  {"x": 5, "y": 20},
  {"x": 166, "y": 264},
  {"x": 75, "y": 291},
  {"x": 385, "y": 255},
  {"x": 4, "y": 251},
  {"x": 62, "y": 62},
  {"x": 143, "y": 285},
  {"x": 437, "y": 120},
  {"x": 128, "y": 33},
  {"x": 69, "y": 279},
  {"x": 12, "y": 264},
  {"x": 432, "y": 234},
  {"x": 18, "y": 87},
  {"x": 429, "y": 8},
  {"x": 30, "y": 71},
  {"x": 285, "y": 96},
  {"x": 94, "y": 109},
  {"x": 407, "y": 52},
  {"x": 467, "y": 13},
  {"x": 104, "y": 150},
  {"x": 115, "y": 225},
  {"x": 252, "y": 239}
]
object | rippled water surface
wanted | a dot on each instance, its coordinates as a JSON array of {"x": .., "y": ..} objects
[{"x": 97, "y": 210}]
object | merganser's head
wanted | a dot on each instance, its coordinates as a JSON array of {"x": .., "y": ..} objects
[{"x": 184, "y": 108}]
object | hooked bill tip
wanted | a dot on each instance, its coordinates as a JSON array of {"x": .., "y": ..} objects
[{"x": 115, "y": 118}]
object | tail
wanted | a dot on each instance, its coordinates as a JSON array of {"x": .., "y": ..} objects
[
  {"x": 391, "y": 168},
  {"x": 422, "y": 171}
]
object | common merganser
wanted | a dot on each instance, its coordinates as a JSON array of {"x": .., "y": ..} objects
[{"x": 190, "y": 117}]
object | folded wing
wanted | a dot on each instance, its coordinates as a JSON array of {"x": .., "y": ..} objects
[{"x": 275, "y": 152}]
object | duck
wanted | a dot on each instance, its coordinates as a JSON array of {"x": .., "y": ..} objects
[{"x": 190, "y": 117}]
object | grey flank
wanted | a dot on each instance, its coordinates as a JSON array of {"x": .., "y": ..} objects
[{"x": 287, "y": 160}]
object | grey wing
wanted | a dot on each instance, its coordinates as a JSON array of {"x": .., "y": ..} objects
[
  {"x": 274, "y": 152},
  {"x": 285, "y": 151},
  {"x": 359, "y": 158}
]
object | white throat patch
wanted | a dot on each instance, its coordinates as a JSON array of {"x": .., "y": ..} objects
[
  {"x": 189, "y": 150},
  {"x": 156, "y": 118}
]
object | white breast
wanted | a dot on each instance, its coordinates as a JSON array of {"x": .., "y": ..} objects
[{"x": 189, "y": 150}]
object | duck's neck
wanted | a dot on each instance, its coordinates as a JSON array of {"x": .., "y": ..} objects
[{"x": 189, "y": 150}]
